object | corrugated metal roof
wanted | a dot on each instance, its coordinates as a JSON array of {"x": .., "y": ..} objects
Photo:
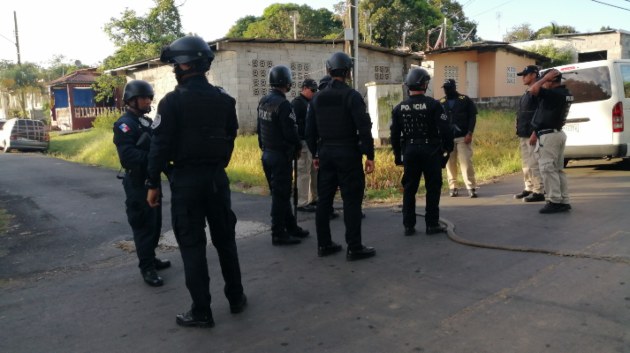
[
  {"x": 85, "y": 76},
  {"x": 490, "y": 46},
  {"x": 216, "y": 46}
]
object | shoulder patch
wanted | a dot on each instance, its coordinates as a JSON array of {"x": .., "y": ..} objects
[
  {"x": 124, "y": 128},
  {"x": 156, "y": 121},
  {"x": 145, "y": 122}
]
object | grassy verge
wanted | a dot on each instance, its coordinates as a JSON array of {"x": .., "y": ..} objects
[
  {"x": 495, "y": 154},
  {"x": 4, "y": 220}
]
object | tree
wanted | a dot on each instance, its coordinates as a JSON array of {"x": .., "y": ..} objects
[
  {"x": 519, "y": 33},
  {"x": 552, "y": 30},
  {"x": 558, "y": 56},
  {"x": 277, "y": 22},
  {"x": 20, "y": 80},
  {"x": 137, "y": 38},
  {"x": 460, "y": 28},
  {"x": 398, "y": 23},
  {"x": 239, "y": 28}
]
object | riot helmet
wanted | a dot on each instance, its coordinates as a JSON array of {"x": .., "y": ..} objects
[
  {"x": 280, "y": 76},
  {"x": 137, "y": 88},
  {"x": 191, "y": 50},
  {"x": 417, "y": 79},
  {"x": 339, "y": 64}
]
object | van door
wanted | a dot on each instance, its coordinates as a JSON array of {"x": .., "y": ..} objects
[{"x": 623, "y": 88}]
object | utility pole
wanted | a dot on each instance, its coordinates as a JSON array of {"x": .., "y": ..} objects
[
  {"x": 355, "y": 26},
  {"x": 294, "y": 16},
  {"x": 17, "y": 38}
]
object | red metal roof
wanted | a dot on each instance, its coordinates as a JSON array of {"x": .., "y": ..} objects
[{"x": 85, "y": 76}]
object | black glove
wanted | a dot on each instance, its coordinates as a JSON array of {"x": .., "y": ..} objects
[{"x": 398, "y": 160}]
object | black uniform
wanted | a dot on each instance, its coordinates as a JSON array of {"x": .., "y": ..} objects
[
  {"x": 133, "y": 148},
  {"x": 300, "y": 107},
  {"x": 526, "y": 107},
  {"x": 338, "y": 132},
  {"x": 278, "y": 139},
  {"x": 462, "y": 112},
  {"x": 420, "y": 132},
  {"x": 195, "y": 128}
]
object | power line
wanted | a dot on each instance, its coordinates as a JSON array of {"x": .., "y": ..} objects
[{"x": 619, "y": 7}]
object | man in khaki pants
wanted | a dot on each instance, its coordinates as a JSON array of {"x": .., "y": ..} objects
[
  {"x": 463, "y": 116},
  {"x": 533, "y": 190},
  {"x": 307, "y": 175}
]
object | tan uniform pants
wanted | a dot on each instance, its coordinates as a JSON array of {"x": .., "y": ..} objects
[
  {"x": 307, "y": 178},
  {"x": 531, "y": 171},
  {"x": 550, "y": 152},
  {"x": 462, "y": 153}
]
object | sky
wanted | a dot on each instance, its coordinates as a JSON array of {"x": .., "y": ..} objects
[{"x": 74, "y": 28}]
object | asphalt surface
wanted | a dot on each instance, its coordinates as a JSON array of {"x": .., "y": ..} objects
[{"x": 505, "y": 278}]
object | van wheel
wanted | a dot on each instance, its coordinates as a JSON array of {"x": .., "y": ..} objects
[{"x": 565, "y": 163}]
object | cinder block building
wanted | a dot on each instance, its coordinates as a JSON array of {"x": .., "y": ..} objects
[{"x": 241, "y": 66}]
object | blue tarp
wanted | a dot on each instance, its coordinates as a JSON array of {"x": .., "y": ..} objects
[
  {"x": 61, "y": 98},
  {"x": 83, "y": 97}
]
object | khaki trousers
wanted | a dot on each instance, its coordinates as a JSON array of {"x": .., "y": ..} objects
[
  {"x": 531, "y": 171},
  {"x": 462, "y": 153},
  {"x": 307, "y": 178},
  {"x": 550, "y": 152}
]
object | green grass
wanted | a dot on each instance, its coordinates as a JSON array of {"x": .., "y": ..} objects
[
  {"x": 4, "y": 220},
  {"x": 495, "y": 154}
]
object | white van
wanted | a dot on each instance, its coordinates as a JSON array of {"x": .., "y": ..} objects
[
  {"x": 24, "y": 135},
  {"x": 596, "y": 126}
]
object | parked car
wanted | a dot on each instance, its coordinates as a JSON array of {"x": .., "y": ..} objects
[
  {"x": 596, "y": 125},
  {"x": 24, "y": 135}
]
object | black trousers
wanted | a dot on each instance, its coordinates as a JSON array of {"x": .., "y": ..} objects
[
  {"x": 340, "y": 167},
  {"x": 422, "y": 160},
  {"x": 200, "y": 195},
  {"x": 145, "y": 222},
  {"x": 278, "y": 171}
]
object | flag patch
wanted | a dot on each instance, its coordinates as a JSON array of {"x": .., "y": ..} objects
[{"x": 124, "y": 127}]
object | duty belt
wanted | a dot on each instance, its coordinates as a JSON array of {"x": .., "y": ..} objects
[
  {"x": 421, "y": 141},
  {"x": 546, "y": 131}
]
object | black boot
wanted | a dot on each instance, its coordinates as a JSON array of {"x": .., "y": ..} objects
[
  {"x": 239, "y": 305},
  {"x": 284, "y": 239},
  {"x": 161, "y": 264},
  {"x": 151, "y": 278},
  {"x": 329, "y": 249},
  {"x": 188, "y": 319},
  {"x": 438, "y": 228},
  {"x": 359, "y": 254}
]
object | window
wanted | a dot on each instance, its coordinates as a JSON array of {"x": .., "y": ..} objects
[
  {"x": 260, "y": 69},
  {"x": 511, "y": 75},
  {"x": 382, "y": 73},
  {"x": 625, "y": 75},
  {"x": 451, "y": 72},
  {"x": 589, "y": 85}
]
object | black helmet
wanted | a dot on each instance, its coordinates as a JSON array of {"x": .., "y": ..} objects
[
  {"x": 280, "y": 75},
  {"x": 417, "y": 79},
  {"x": 323, "y": 82},
  {"x": 137, "y": 88},
  {"x": 339, "y": 61},
  {"x": 187, "y": 49}
]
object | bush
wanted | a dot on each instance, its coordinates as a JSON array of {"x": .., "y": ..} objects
[{"x": 106, "y": 121}]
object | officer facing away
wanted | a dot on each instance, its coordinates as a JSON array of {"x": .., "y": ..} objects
[
  {"x": 420, "y": 136},
  {"x": 195, "y": 128},
  {"x": 338, "y": 135},
  {"x": 280, "y": 144},
  {"x": 132, "y": 137},
  {"x": 553, "y": 107},
  {"x": 462, "y": 113}
]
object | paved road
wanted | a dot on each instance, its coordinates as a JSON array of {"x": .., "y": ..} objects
[{"x": 66, "y": 286}]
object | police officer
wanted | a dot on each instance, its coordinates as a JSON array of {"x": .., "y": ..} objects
[
  {"x": 421, "y": 136},
  {"x": 338, "y": 134},
  {"x": 550, "y": 117},
  {"x": 462, "y": 113},
  {"x": 306, "y": 175},
  {"x": 195, "y": 128},
  {"x": 132, "y": 137},
  {"x": 533, "y": 191}
]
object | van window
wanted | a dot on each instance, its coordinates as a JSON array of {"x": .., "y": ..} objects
[
  {"x": 589, "y": 85},
  {"x": 625, "y": 73}
]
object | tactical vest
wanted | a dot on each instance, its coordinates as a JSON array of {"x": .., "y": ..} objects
[
  {"x": 526, "y": 107},
  {"x": 269, "y": 120},
  {"x": 416, "y": 122},
  {"x": 300, "y": 119},
  {"x": 552, "y": 114},
  {"x": 334, "y": 124},
  {"x": 201, "y": 135},
  {"x": 458, "y": 114}
]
